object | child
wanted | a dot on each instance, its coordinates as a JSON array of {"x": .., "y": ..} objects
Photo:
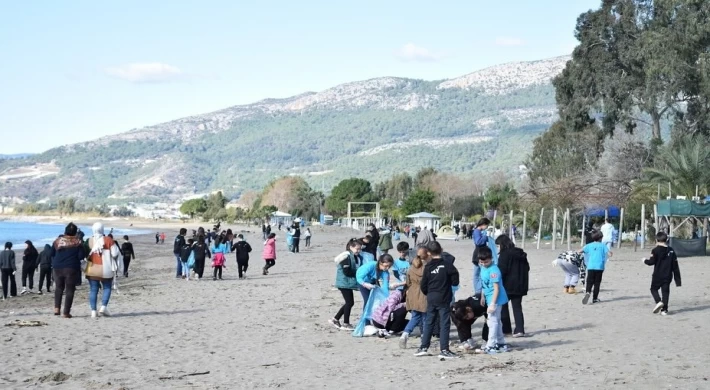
[
  {"x": 401, "y": 265},
  {"x": 596, "y": 256},
  {"x": 220, "y": 250},
  {"x": 495, "y": 296},
  {"x": 391, "y": 315},
  {"x": 572, "y": 264},
  {"x": 463, "y": 314},
  {"x": 201, "y": 251},
  {"x": 307, "y": 235},
  {"x": 369, "y": 274},
  {"x": 345, "y": 281},
  {"x": 416, "y": 300},
  {"x": 480, "y": 240},
  {"x": 438, "y": 279},
  {"x": 185, "y": 252},
  {"x": 8, "y": 269},
  {"x": 269, "y": 253},
  {"x": 242, "y": 248},
  {"x": 665, "y": 267}
]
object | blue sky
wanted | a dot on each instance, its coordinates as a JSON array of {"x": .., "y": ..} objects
[{"x": 71, "y": 71}]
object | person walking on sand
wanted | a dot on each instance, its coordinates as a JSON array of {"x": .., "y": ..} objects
[
  {"x": 162, "y": 238},
  {"x": 665, "y": 268},
  {"x": 514, "y": 269},
  {"x": 103, "y": 263},
  {"x": 29, "y": 266},
  {"x": 67, "y": 254},
  {"x": 242, "y": 250},
  {"x": 202, "y": 251},
  {"x": 128, "y": 254},
  {"x": 307, "y": 236},
  {"x": 347, "y": 264},
  {"x": 157, "y": 238},
  {"x": 416, "y": 300},
  {"x": 8, "y": 267},
  {"x": 607, "y": 230},
  {"x": 296, "y": 237},
  {"x": 269, "y": 253},
  {"x": 185, "y": 254},
  {"x": 177, "y": 247},
  {"x": 220, "y": 250},
  {"x": 596, "y": 255},
  {"x": 45, "y": 268}
]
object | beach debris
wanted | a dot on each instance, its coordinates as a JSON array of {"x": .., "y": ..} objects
[
  {"x": 54, "y": 377},
  {"x": 163, "y": 378},
  {"x": 26, "y": 323}
]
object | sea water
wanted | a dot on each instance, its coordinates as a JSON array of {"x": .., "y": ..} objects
[{"x": 40, "y": 233}]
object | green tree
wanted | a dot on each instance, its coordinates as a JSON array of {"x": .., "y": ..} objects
[
  {"x": 349, "y": 190},
  {"x": 501, "y": 197},
  {"x": 419, "y": 201},
  {"x": 194, "y": 207},
  {"x": 685, "y": 165}
]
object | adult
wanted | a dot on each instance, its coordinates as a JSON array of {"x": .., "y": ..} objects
[
  {"x": 128, "y": 254},
  {"x": 103, "y": 263},
  {"x": 45, "y": 268},
  {"x": 201, "y": 249},
  {"x": 607, "y": 230},
  {"x": 177, "y": 246},
  {"x": 424, "y": 237},
  {"x": 67, "y": 253},
  {"x": 157, "y": 238},
  {"x": 374, "y": 240},
  {"x": 29, "y": 265},
  {"x": 8, "y": 269},
  {"x": 386, "y": 241},
  {"x": 296, "y": 237},
  {"x": 514, "y": 269}
]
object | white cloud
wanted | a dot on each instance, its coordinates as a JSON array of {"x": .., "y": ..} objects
[
  {"x": 412, "y": 52},
  {"x": 509, "y": 41},
  {"x": 149, "y": 72}
]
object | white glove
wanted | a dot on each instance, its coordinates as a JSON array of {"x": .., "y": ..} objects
[{"x": 554, "y": 263}]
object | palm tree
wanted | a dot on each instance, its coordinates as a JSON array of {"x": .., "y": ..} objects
[{"x": 685, "y": 165}]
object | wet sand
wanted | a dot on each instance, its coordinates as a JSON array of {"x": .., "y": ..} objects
[{"x": 272, "y": 331}]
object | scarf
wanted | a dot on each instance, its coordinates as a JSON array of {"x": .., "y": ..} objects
[{"x": 98, "y": 246}]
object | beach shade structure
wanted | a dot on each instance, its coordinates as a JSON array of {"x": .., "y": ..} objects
[
  {"x": 425, "y": 220},
  {"x": 277, "y": 217},
  {"x": 674, "y": 214},
  {"x": 599, "y": 211},
  {"x": 377, "y": 296},
  {"x": 445, "y": 233}
]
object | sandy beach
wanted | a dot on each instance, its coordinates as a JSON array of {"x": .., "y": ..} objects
[{"x": 272, "y": 331}]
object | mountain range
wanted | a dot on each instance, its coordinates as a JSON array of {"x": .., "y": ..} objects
[{"x": 473, "y": 125}]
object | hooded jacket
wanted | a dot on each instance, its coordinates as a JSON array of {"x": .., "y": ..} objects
[
  {"x": 416, "y": 300},
  {"x": 242, "y": 249},
  {"x": 67, "y": 252},
  {"x": 29, "y": 258},
  {"x": 514, "y": 269},
  {"x": 665, "y": 266},
  {"x": 45, "y": 257}
]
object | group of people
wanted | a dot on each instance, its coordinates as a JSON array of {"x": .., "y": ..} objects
[
  {"x": 99, "y": 259},
  {"x": 423, "y": 284}
]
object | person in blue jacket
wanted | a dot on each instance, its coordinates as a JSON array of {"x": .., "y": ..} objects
[
  {"x": 480, "y": 240},
  {"x": 369, "y": 275}
]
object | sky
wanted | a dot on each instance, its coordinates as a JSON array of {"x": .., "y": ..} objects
[{"x": 72, "y": 71}]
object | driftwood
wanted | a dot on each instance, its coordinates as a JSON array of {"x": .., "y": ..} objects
[
  {"x": 162, "y": 378},
  {"x": 26, "y": 323}
]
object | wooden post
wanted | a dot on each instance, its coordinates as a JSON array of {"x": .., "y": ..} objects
[
  {"x": 512, "y": 236},
  {"x": 525, "y": 225},
  {"x": 569, "y": 232},
  {"x": 643, "y": 226},
  {"x": 606, "y": 214},
  {"x": 539, "y": 228},
  {"x": 655, "y": 218},
  {"x": 554, "y": 229},
  {"x": 583, "y": 237},
  {"x": 621, "y": 227},
  {"x": 564, "y": 229},
  {"x": 636, "y": 234}
]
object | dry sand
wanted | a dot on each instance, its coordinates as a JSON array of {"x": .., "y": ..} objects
[{"x": 271, "y": 331}]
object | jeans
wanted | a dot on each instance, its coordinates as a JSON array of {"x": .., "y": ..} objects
[
  {"x": 365, "y": 295},
  {"x": 45, "y": 272},
  {"x": 65, "y": 279},
  {"x": 516, "y": 301},
  {"x": 444, "y": 325},
  {"x": 594, "y": 279},
  {"x": 418, "y": 319},
  {"x": 308, "y": 242},
  {"x": 178, "y": 268},
  {"x": 347, "y": 306},
  {"x": 28, "y": 273},
  {"x": 495, "y": 329},
  {"x": 185, "y": 269},
  {"x": 571, "y": 273},
  {"x": 477, "y": 284},
  {"x": 8, "y": 281},
  {"x": 94, "y": 292},
  {"x": 665, "y": 291}
]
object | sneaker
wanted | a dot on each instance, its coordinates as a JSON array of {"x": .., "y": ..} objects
[
  {"x": 446, "y": 354},
  {"x": 347, "y": 327},
  {"x": 486, "y": 351},
  {"x": 566, "y": 290},
  {"x": 518, "y": 335},
  {"x": 572, "y": 290},
  {"x": 585, "y": 300},
  {"x": 664, "y": 313},
  {"x": 502, "y": 348},
  {"x": 658, "y": 308},
  {"x": 403, "y": 341},
  {"x": 422, "y": 352},
  {"x": 104, "y": 312},
  {"x": 335, "y": 323},
  {"x": 94, "y": 314},
  {"x": 24, "y": 291},
  {"x": 597, "y": 300},
  {"x": 40, "y": 292}
]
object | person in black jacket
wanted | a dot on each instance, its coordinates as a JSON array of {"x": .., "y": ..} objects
[
  {"x": 463, "y": 314},
  {"x": 665, "y": 268},
  {"x": 177, "y": 246},
  {"x": 128, "y": 254},
  {"x": 29, "y": 265},
  {"x": 296, "y": 237},
  {"x": 514, "y": 269},
  {"x": 242, "y": 249},
  {"x": 437, "y": 280},
  {"x": 202, "y": 251},
  {"x": 45, "y": 268}
]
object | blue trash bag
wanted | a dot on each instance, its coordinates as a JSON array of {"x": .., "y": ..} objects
[
  {"x": 367, "y": 257},
  {"x": 377, "y": 296}
]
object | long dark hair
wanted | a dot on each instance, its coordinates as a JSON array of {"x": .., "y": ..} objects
[
  {"x": 30, "y": 250},
  {"x": 505, "y": 242},
  {"x": 352, "y": 242}
]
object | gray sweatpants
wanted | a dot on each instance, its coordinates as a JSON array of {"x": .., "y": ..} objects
[
  {"x": 571, "y": 273},
  {"x": 495, "y": 329}
]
